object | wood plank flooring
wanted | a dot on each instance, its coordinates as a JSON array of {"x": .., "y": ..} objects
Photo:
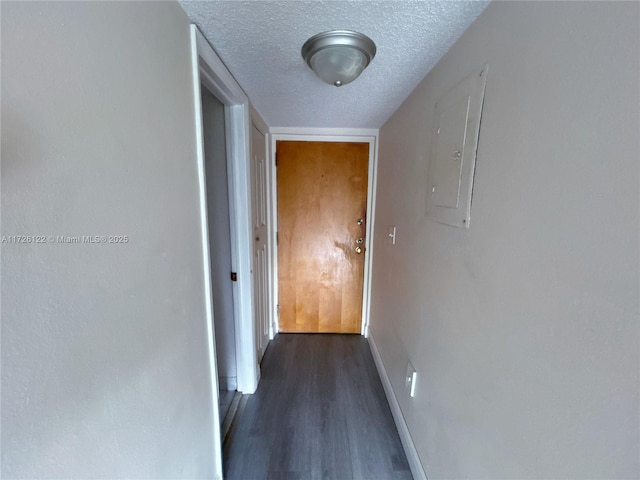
[
  {"x": 320, "y": 412},
  {"x": 225, "y": 399},
  {"x": 229, "y": 403}
]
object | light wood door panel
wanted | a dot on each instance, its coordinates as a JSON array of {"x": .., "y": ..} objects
[{"x": 322, "y": 192}]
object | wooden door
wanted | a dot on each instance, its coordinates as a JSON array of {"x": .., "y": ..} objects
[
  {"x": 260, "y": 234},
  {"x": 322, "y": 201}
]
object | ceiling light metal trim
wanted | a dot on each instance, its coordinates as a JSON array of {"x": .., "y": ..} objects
[{"x": 339, "y": 38}]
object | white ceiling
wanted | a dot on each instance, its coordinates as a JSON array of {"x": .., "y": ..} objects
[{"x": 260, "y": 42}]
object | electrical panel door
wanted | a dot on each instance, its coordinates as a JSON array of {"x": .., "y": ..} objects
[
  {"x": 452, "y": 128},
  {"x": 453, "y": 152}
]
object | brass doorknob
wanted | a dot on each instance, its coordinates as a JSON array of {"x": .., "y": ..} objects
[{"x": 358, "y": 250}]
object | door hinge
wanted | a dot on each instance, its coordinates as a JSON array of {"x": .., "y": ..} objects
[
  {"x": 276, "y": 159},
  {"x": 277, "y": 238},
  {"x": 234, "y": 277}
]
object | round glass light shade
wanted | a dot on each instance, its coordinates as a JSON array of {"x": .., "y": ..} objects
[
  {"x": 338, "y": 65},
  {"x": 338, "y": 57}
]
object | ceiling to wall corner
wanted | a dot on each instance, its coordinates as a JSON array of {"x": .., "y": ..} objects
[{"x": 260, "y": 42}]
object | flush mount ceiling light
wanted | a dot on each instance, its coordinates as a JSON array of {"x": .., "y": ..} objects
[{"x": 338, "y": 57}]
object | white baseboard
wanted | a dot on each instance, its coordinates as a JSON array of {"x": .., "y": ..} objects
[
  {"x": 405, "y": 437},
  {"x": 228, "y": 383}
]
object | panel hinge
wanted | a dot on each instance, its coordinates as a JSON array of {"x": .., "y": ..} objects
[
  {"x": 276, "y": 158},
  {"x": 234, "y": 277},
  {"x": 277, "y": 238}
]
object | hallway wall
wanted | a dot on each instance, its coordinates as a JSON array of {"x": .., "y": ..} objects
[
  {"x": 104, "y": 346},
  {"x": 524, "y": 328}
]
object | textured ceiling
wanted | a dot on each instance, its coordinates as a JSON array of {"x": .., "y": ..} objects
[{"x": 260, "y": 42}]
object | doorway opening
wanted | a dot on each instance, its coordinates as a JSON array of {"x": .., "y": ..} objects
[
  {"x": 326, "y": 168},
  {"x": 209, "y": 73},
  {"x": 219, "y": 230}
]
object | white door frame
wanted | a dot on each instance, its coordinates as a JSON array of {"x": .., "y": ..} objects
[
  {"x": 209, "y": 70},
  {"x": 369, "y": 136}
]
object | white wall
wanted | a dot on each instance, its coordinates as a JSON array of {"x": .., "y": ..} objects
[
  {"x": 524, "y": 328},
  {"x": 104, "y": 347}
]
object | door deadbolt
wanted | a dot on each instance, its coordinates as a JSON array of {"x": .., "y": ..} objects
[
  {"x": 360, "y": 221},
  {"x": 359, "y": 240}
]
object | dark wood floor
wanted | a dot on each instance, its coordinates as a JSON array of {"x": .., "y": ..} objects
[{"x": 319, "y": 412}]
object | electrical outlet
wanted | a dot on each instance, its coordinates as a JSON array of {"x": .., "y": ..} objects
[{"x": 410, "y": 380}]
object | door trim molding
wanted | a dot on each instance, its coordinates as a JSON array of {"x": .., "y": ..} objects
[
  {"x": 369, "y": 136},
  {"x": 208, "y": 69},
  {"x": 338, "y": 132},
  {"x": 206, "y": 270}
]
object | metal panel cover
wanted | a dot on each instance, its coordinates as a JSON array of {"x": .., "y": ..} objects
[{"x": 453, "y": 154}]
